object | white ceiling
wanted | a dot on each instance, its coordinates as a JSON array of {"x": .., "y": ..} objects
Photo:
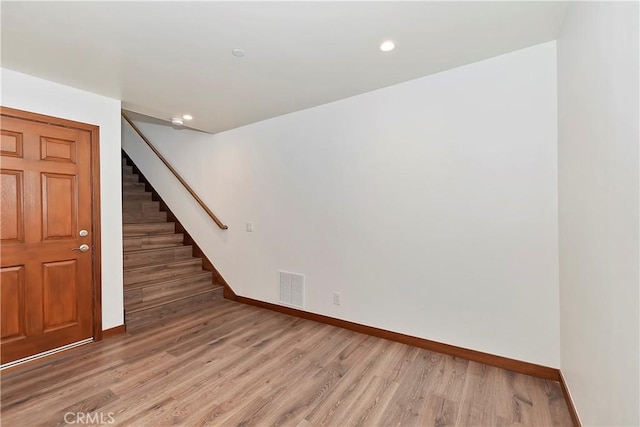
[{"x": 169, "y": 58}]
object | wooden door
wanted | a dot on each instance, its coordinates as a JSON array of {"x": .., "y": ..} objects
[{"x": 45, "y": 281}]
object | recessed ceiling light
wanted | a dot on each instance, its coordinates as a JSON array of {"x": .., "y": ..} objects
[
  {"x": 387, "y": 46},
  {"x": 176, "y": 121},
  {"x": 239, "y": 53},
  {"x": 187, "y": 117}
]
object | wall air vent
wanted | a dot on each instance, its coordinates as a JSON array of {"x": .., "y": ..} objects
[{"x": 291, "y": 289}]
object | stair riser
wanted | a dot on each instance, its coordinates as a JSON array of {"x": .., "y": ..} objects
[
  {"x": 179, "y": 280},
  {"x": 131, "y": 197},
  {"x": 135, "y": 296},
  {"x": 152, "y": 242},
  {"x": 160, "y": 272},
  {"x": 143, "y": 217},
  {"x": 133, "y": 186},
  {"x": 139, "y": 206},
  {"x": 127, "y": 169},
  {"x": 131, "y": 230},
  {"x": 129, "y": 177},
  {"x": 157, "y": 257},
  {"x": 157, "y": 313}
]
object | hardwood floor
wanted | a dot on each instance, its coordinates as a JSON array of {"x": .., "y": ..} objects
[{"x": 225, "y": 363}]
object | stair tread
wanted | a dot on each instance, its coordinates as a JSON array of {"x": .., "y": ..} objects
[
  {"x": 158, "y": 282},
  {"x": 153, "y": 214},
  {"x": 134, "y": 308},
  {"x": 156, "y": 256},
  {"x": 153, "y": 222},
  {"x": 136, "y": 196},
  {"x": 149, "y": 241},
  {"x": 187, "y": 261},
  {"x": 164, "y": 248},
  {"x": 143, "y": 217},
  {"x": 137, "y": 229},
  {"x": 155, "y": 233},
  {"x": 140, "y": 203},
  {"x": 139, "y": 209},
  {"x": 154, "y": 236}
]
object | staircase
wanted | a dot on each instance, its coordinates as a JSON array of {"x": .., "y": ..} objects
[{"x": 161, "y": 276}]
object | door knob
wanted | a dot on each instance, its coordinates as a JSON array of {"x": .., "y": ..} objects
[{"x": 82, "y": 248}]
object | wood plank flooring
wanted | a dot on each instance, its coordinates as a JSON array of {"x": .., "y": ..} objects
[{"x": 225, "y": 363}]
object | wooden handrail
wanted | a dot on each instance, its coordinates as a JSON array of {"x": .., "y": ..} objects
[{"x": 176, "y": 174}]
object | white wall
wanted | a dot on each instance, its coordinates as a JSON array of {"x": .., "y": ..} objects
[
  {"x": 431, "y": 205},
  {"x": 598, "y": 210},
  {"x": 28, "y": 93}
]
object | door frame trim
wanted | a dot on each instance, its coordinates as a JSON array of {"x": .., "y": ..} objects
[{"x": 96, "y": 257}]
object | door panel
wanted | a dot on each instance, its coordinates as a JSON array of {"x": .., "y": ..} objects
[
  {"x": 59, "y": 199},
  {"x": 12, "y": 227},
  {"x": 58, "y": 150},
  {"x": 13, "y": 303},
  {"x": 11, "y": 144},
  {"x": 46, "y": 287},
  {"x": 59, "y": 281}
]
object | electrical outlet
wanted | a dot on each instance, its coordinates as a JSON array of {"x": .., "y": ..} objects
[
  {"x": 249, "y": 227},
  {"x": 337, "y": 298}
]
